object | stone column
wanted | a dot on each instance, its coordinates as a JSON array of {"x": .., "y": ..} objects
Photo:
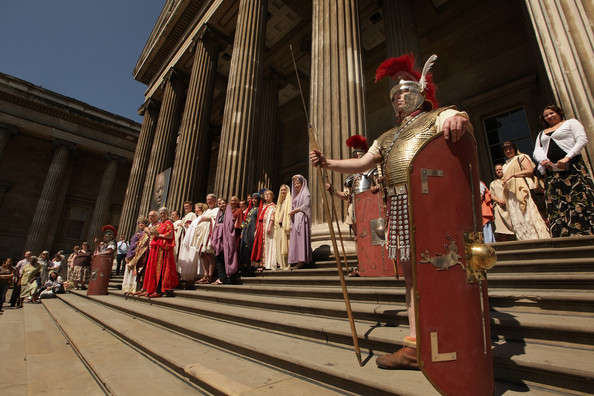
[
  {"x": 234, "y": 169},
  {"x": 337, "y": 98},
  {"x": 38, "y": 233},
  {"x": 267, "y": 146},
  {"x": 399, "y": 25},
  {"x": 100, "y": 214},
  {"x": 565, "y": 35},
  {"x": 188, "y": 177},
  {"x": 130, "y": 210},
  {"x": 163, "y": 150}
]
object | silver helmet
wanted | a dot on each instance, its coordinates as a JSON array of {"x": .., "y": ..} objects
[{"x": 415, "y": 92}]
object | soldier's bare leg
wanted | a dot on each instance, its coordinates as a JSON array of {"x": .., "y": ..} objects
[
  {"x": 406, "y": 357},
  {"x": 410, "y": 301}
]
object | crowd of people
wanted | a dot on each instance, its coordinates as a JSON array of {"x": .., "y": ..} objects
[
  {"x": 32, "y": 278},
  {"x": 214, "y": 242},
  {"x": 554, "y": 198},
  {"x": 36, "y": 277},
  {"x": 220, "y": 240}
]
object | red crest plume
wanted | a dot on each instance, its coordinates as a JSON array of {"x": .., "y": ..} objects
[
  {"x": 111, "y": 228},
  {"x": 391, "y": 67},
  {"x": 357, "y": 142},
  {"x": 404, "y": 67}
]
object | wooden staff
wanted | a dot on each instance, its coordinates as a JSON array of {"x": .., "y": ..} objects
[
  {"x": 313, "y": 141},
  {"x": 335, "y": 217}
]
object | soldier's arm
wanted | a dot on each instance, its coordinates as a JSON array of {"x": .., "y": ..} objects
[
  {"x": 351, "y": 165},
  {"x": 453, "y": 123},
  {"x": 330, "y": 188}
]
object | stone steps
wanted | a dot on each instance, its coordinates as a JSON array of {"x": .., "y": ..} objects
[
  {"x": 325, "y": 360},
  {"x": 253, "y": 357},
  {"x": 117, "y": 365},
  {"x": 554, "y": 327},
  {"x": 580, "y": 242},
  {"x": 574, "y": 280},
  {"x": 215, "y": 370},
  {"x": 575, "y": 260},
  {"x": 37, "y": 358},
  {"x": 540, "y": 292}
]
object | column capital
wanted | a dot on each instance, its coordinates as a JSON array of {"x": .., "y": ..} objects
[
  {"x": 149, "y": 104},
  {"x": 110, "y": 156},
  {"x": 174, "y": 74},
  {"x": 60, "y": 142},
  {"x": 11, "y": 129},
  {"x": 209, "y": 33}
]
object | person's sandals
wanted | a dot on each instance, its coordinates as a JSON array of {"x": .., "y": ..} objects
[
  {"x": 260, "y": 269},
  {"x": 217, "y": 282}
]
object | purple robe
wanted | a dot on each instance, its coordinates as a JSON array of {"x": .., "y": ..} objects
[
  {"x": 300, "y": 239},
  {"x": 223, "y": 240},
  {"x": 133, "y": 243}
]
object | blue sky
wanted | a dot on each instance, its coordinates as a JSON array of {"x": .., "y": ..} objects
[{"x": 84, "y": 49}]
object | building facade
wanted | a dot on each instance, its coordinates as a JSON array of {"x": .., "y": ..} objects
[
  {"x": 227, "y": 112},
  {"x": 64, "y": 168}
]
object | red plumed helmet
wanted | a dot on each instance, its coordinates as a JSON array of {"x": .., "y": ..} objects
[
  {"x": 398, "y": 68},
  {"x": 111, "y": 228},
  {"x": 357, "y": 142},
  {"x": 403, "y": 68}
]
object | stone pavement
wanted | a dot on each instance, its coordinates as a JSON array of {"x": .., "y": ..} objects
[{"x": 36, "y": 358}]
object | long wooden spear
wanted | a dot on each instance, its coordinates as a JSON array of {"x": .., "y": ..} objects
[{"x": 313, "y": 141}]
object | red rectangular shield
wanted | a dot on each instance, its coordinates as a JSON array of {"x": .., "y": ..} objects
[
  {"x": 452, "y": 313},
  {"x": 370, "y": 220}
]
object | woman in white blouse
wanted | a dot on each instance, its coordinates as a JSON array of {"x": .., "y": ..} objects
[{"x": 568, "y": 186}]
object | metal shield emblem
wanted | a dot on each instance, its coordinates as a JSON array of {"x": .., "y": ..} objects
[
  {"x": 371, "y": 236},
  {"x": 452, "y": 310}
]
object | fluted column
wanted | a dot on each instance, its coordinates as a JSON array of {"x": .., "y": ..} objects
[
  {"x": 565, "y": 36},
  {"x": 235, "y": 167},
  {"x": 38, "y": 232},
  {"x": 399, "y": 25},
  {"x": 266, "y": 169},
  {"x": 188, "y": 179},
  {"x": 130, "y": 210},
  {"x": 163, "y": 150},
  {"x": 337, "y": 98},
  {"x": 102, "y": 205}
]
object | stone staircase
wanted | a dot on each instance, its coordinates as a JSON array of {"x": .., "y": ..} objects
[{"x": 286, "y": 332}]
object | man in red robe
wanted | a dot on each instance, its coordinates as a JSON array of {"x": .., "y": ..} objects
[{"x": 161, "y": 274}]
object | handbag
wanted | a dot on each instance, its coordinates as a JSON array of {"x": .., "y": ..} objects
[
  {"x": 537, "y": 195},
  {"x": 536, "y": 189},
  {"x": 47, "y": 294}
]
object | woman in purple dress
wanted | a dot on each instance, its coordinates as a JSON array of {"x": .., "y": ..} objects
[
  {"x": 300, "y": 239},
  {"x": 224, "y": 244}
]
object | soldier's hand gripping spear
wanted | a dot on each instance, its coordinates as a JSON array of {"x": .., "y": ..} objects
[{"x": 315, "y": 146}]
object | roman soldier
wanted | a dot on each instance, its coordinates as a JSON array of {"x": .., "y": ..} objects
[
  {"x": 430, "y": 169},
  {"x": 356, "y": 183},
  {"x": 102, "y": 262}
]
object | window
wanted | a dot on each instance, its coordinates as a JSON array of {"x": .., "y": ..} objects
[
  {"x": 74, "y": 223},
  {"x": 511, "y": 125}
]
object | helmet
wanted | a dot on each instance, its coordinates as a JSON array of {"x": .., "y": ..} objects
[{"x": 417, "y": 87}]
